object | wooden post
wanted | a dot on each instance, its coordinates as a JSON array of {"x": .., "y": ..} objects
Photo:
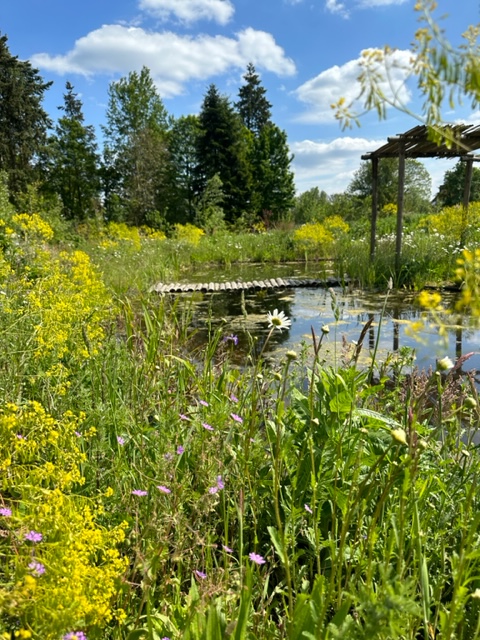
[
  {"x": 373, "y": 221},
  {"x": 466, "y": 199},
  {"x": 400, "y": 199}
]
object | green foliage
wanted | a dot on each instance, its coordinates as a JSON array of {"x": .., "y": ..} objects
[
  {"x": 310, "y": 206},
  {"x": 253, "y": 106},
  {"x": 209, "y": 212},
  {"x": 71, "y": 162},
  {"x": 451, "y": 191},
  {"x": 23, "y": 121},
  {"x": 418, "y": 184},
  {"x": 136, "y": 172}
]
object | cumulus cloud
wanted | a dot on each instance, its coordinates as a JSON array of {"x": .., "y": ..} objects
[
  {"x": 335, "y": 6},
  {"x": 173, "y": 60},
  {"x": 329, "y": 165},
  {"x": 189, "y": 11},
  {"x": 330, "y": 85}
]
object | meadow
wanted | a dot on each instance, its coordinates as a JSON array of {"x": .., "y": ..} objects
[{"x": 148, "y": 491}]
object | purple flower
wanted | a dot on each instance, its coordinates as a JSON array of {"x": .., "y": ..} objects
[
  {"x": 254, "y": 557},
  {"x": 180, "y": 449},
  {"x": 231, "y": 338},
  {"x": 220, "y": 484},
  {"x": 207, "y": 426},
  {"x": 200, "y": 574},
  {"x": 37, "y": 568},
  {"x": 213, "y": 490},
  {"x": 5, "y": 512},
  {"x": 163, "y": 489},
  {"x": 139, "y": 492},
  {"x": 20, "y": 437},
  {"x": 236, "y": 418},
  {"x": 182, "y": 416},
  {"x": 227, "y": 549},
  {"x": 75, "y": 635},
  {"x": 120, "y": 440},
  {"x": 307, "y": 508},
  {"x": 33, "y": 536},
  {"x": 205, "y": 404},
  {"x": 233, "y": 398},
  {"x": 78, "y": 434},
  {"x": 168, "y": 456}
]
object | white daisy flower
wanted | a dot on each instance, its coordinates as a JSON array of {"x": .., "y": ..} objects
[{"x": 278, "y": 320}]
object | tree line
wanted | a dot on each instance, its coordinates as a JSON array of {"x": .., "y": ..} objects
[{"x": 230, "y": 164}]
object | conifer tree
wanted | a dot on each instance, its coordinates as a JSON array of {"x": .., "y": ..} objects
[
  {"x": 222, "y": 150},
  {"x": 272, "y": 190},
  {"x": 23, "y": 122},
  {"x": 253, "y": 106}
]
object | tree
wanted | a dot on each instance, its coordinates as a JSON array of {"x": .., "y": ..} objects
[
  {"x": 452, "y": 189},
  {"x": 209, "y": 212},
  {"x": 417, "y": 188},
  {"x": 136, "y": 160},
  {"x": 253, "y": 106},
  {"x": 222, "y": 150},
  {"x": 182, "y": 148},
  {"x": 72, "y": 162},
  {"x": 23, "y": 122},
  {"x": 310, "y": 206},
  {"x": 273, "y": 180}
]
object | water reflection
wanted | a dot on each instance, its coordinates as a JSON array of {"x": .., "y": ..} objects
[{"x": 244, "y": 315}]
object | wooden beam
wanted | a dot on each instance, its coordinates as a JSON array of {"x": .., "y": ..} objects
[
  {"x": 400, "y": 201},
  {"x": 373, "y": 220}
]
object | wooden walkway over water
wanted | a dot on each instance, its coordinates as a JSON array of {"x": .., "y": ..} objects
[{"x": 271, "y": 283}]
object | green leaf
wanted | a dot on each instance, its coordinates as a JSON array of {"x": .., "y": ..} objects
[{"x": 277, "y": 543}]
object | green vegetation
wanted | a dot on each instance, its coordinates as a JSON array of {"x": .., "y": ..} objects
[{"x": 149, "y": 491}]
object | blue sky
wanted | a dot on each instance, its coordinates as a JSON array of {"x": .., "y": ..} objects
[{"x": 306, "y": 52}]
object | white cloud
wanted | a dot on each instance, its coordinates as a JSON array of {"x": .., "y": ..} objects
[
  {"x": 173, "y": 60},
  {"x": 220, "y": 11},
  {"x": 330, "y": 85},
  {"x": 329, "y": 165},
  {"x": 335, "y": 6},
  {"x": 380, "y": 3}
]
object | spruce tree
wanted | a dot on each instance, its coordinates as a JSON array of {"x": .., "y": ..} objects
[
  {"x": 23, "y": 122},
  {"x": 253, "y": 106},
  {"x": 222, "y": 150},
  {"x": 269, "y": 158}
]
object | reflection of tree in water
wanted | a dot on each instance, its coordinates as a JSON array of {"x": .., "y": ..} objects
[{"x": 242, "y": 314}]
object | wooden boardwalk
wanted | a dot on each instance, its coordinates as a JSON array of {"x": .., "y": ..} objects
[{"x": 271, "y": 283}]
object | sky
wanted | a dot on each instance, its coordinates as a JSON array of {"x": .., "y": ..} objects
[{"x": 306, "y": 52}]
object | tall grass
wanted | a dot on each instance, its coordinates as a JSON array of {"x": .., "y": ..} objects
[{"x": 179, "y": 496}]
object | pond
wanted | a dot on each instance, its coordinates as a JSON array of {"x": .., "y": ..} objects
[{"x": 344, "y": 311}]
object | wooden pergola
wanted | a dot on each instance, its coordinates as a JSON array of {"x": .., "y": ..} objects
[{"x": 461, "y": 141}]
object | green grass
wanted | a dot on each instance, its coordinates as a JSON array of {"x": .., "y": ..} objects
[{"x": 355, "y": 490}]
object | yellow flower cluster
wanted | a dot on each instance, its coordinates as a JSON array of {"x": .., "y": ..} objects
[
  {"x": 468, "y": 275},
  {"x": 40, "y": 461},
  {"x": 63, "y": 309},
  {"x": 35, "y": 448},
  {"x": 313, "y": 237},
  {"x": 31, "y": 226},
  {"x": 188, "y": 233},
  {"x": 453, "y": 222}
]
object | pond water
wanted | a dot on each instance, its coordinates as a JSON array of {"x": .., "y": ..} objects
[{"x": 243, "y": 314}]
